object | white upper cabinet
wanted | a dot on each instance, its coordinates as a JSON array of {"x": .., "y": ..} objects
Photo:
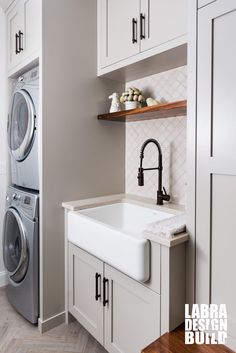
[
  {"x": 14, "y": 31},
  {"x": 119, "y": 30},
  {"x": 23, "y": 31},
  {"x": 32, "y": 27},
  {"x": 162, "y": 21},
  {"x": 129, "y": 31}
]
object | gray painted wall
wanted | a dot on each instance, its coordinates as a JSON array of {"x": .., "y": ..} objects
[{"x": 81, "y": 157}]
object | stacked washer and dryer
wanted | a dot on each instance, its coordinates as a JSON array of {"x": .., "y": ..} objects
[{"x": 21, "y": 223}]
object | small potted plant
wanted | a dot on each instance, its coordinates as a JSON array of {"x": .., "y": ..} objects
[{"x": 132, "y": 98}]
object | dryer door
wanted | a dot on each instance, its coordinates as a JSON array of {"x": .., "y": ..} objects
[
  {"x": 21, "y": 125},
  {"x": 15, "y": 249}
]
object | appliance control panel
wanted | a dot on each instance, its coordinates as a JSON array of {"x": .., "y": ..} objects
[{"x": 23, "y": 201}]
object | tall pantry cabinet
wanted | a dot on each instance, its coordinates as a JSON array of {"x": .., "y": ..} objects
[{"x": 216, "y": 159}]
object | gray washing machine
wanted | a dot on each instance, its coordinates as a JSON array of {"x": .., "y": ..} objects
[
  {"x": 23, "y": 131},
  {"x": 21, "y": 251}
]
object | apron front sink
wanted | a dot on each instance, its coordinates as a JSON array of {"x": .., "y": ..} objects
[{"x": 113, "y": 233}]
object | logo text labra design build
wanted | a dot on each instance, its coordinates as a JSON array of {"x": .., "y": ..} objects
[{"x": 205, "y": 324}]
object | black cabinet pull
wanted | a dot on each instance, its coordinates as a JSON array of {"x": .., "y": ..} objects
[
  {"x": 17, "y": 49},
  {"x": 134, "y": 31},
  {"x": 97, "y": 295},
  {"x": 20, "y": 41},
  {"x": 142, "y": 26},
  {"x": 105, "y": 300}
]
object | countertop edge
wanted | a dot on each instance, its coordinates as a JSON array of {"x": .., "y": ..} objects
[
  {"x": 92, "y": 202},
  {"x": 176, "y": 240},
  {"x": 101, "y": 200}
]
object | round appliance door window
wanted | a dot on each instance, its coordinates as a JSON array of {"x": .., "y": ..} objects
[
  {"x": 15, "y": 250},
  {"x": 21, "y": 125}
]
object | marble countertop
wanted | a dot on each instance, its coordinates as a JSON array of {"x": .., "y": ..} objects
[{"x": 142, "y": 201}]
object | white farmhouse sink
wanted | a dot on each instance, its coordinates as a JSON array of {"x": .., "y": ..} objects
[{"x": 113, "y": 233}]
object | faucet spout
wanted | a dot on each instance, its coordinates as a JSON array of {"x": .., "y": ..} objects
[{"x": 160, "y": 195}]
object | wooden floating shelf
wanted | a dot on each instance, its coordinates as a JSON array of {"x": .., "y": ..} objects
[{"x": 168, "y": 110}]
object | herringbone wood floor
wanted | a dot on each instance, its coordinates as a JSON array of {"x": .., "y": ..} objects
[{"x": 18, "y": 336}]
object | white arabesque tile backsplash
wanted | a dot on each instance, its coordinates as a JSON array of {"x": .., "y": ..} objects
[{"x": 171, "y": 134}]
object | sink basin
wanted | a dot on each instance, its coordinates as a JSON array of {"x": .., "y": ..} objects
[{"x": 113, "y": 233}]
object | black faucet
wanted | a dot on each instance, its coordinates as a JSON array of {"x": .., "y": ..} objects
[{"x": 160, "y": 195}]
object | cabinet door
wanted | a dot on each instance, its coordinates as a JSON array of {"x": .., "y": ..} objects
[
  {"x": 132, "y": 314},
  {"x": 14, "y": 25},
  {"x": 31, "y": 33},
  {"x": 83, "y": 287},
  {"x": 216, "y": 160},
  {"x": 202, "y": 3},
  {"x": 162, "y": 21},
  {"x": 118, "y": 30}
]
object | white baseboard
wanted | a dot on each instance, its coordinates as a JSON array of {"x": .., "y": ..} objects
[
  {"x": 52, "y": 322},
  {"x": 3, "y": 279}
]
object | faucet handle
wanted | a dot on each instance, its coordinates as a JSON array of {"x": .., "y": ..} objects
[{"x": 166, "y": 197}]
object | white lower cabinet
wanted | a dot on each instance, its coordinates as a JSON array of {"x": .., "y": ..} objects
[
  {"x": 132, "y": 314},
  {"x": 122, "y": 314},
  {"x": 85, "y": 271}
]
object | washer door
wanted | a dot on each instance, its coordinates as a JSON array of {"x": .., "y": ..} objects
[
  {"x": 21, "y": 125},
  {"x": 15, "y": 249}
]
